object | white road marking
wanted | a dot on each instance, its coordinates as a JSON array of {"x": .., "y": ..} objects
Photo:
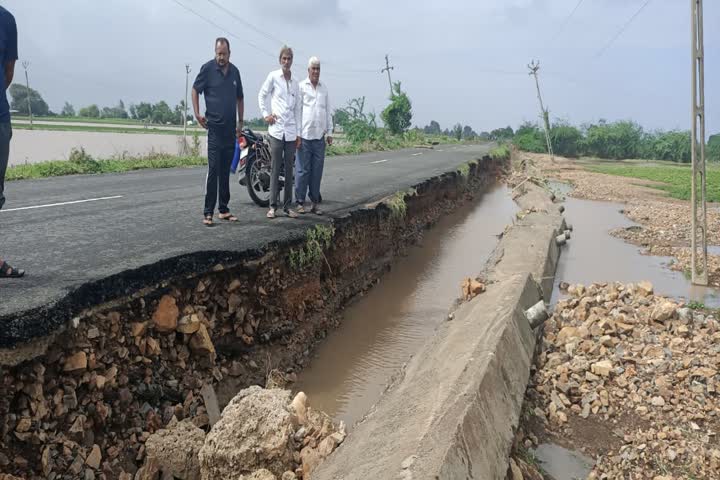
[
  {"x": 416, "y": 154},
  {"x": 379, "y": 161},
  {"x": 61, "y": 204},
  {"x": 440, "y": 150}
]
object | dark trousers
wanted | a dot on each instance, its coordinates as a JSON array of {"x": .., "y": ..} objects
[
  {"x": 5, "y": 136},
  {"x": 281, "y": 153},
  {"x": 309, "y": 170},
  {"x": 221, "y": 146}
]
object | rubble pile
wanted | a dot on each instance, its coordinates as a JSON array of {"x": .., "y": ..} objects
[
  {"x": 261, "y": 435},
  {"x": 632, "y": 379}
]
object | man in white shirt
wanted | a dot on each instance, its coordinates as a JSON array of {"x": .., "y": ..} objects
[
  {"x": 316, "y": 129},
  {"x": 280, "y": 106}
]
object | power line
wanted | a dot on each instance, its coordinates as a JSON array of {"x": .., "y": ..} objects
[
  {"x": 275, "y": 39},
  {"x": 566, "y": 21},
  {"x": 622, "y": 29},
  {"x": 260, "y": 49},
  {"x": 246, "y": 23}
]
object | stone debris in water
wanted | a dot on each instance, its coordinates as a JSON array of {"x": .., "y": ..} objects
[
  {"x": 632, "y": 378},
  {"x": 471, "y": 288}
]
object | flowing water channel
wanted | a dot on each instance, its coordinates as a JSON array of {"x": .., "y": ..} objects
[{"x": 381, "y": 330}]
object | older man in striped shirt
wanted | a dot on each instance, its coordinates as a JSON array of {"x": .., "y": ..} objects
[{"x": 316, "y": 130}]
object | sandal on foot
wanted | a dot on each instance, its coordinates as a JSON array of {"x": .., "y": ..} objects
[
  {"x": 6, "y": 271},
  {"x": 228, "y": 216},
  {"x": 291, "y": 213},
  {"x": 271, "y": 213},
  {"x": 316, "y": 210},
  {"x": 208, "y": 220}
]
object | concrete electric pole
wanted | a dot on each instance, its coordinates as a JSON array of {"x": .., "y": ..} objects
[
  {"x": 387, "y": 69},
  {"x": 26, "y": 65},
  {"x": 699, "y": 206},
  {"x": 534, "y": 66}
]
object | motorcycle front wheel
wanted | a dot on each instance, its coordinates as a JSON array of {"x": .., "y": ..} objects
[{"x": 258, "y": 180}]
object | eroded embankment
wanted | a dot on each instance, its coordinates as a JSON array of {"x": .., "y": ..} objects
[{"x": 105, "y": 380}]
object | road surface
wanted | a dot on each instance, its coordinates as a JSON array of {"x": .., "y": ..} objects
[{"x": 88, "y": 239}]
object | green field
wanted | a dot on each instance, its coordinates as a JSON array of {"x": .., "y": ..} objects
[
  {"x": 111, "y": 121},
  {"x": 675, "y": 178}
]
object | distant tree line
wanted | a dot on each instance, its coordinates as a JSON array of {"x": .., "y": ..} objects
[
  {"x": 613, "y": 140},
  {"x": 156, "y": 113}
]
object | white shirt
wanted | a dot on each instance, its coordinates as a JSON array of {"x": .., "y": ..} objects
[
  {"x": 316, "y": 116},
  {"x": 281, "y": 97}
]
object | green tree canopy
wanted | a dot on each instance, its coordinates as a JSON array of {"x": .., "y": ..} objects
[
  {"x": 91, "y": 111},
  {"x": 68, "y": 110},
  {"x": 433, "y": 128},
  {"x": 19, "y": 100},
  {"x": 398, "y": 115}
]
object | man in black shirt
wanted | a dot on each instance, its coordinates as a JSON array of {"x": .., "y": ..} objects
[{"x": 219, "y": 81}]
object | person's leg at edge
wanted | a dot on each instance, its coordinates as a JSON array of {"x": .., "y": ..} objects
[
  {"x": 211, "y": 181},
  {"x": 318, "y": 165},
  {"x": 226, "y": 158},
  {"x": 276, "y": 153},
  {"x": 302, "y": 175},
  {"x": 289, "y": 157},
  {"x": 6, "y": 271}
]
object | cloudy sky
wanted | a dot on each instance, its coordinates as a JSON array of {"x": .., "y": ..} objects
[{"x": 459, "y": 60}]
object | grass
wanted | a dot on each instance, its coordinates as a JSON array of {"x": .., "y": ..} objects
[
  {"x": 157, "y": 129},
  {"x": 501, "y": 152},
  {"x": 675, "y": 179},
  {"x": 317, "y": 240},
  {"x": 81, "y": 163}
]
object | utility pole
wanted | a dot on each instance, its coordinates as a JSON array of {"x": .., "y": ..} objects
[
  {"x": 184, "y": 119},
  {"x": 534, "y": 66},
  {"x": 387, "y": 69},
  {"x": 25, "y": 65},
  {"x": 699, "y": 206}
]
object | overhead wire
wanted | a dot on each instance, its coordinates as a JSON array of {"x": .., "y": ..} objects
[
  {"x": 622, "y": 29},
  {"x": 209, "y": 21},
  {"x": 566, "y": 21}
]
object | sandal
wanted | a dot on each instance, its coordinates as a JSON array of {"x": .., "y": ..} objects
[
  {"x": 271, "y": 213},
  {"x": 208, "y": 220},
  {"x": 228, "y": 216},
  {"x": 291, "y": 213},
  {"x": 6, "y": 271}
]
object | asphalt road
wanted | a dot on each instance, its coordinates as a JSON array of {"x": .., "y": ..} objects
[{"x": 133, "y": 228}]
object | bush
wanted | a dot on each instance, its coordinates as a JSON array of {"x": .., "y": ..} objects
[
  {"x": 712, "y": 151},
  {"x": 616, "y": 140},
  {"x": 398, "y": 115},
  {"x": 673, "y": 145},
  {"x": 530, "y": 138},
  {"x": 566, "y": 140}
]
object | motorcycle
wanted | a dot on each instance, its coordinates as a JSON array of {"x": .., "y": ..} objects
[
  {"x": 254, "y": 167},
  {"x": 253, "y": 164}
]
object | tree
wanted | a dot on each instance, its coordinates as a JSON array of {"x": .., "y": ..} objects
[
  {"x": 19, "y": 95},
  {"x": 457, "y": 131},
  {"x": 398, "y": 115},
  {"x": 144, "y": 111},
  {"x": 502, "y": 133},
  {"x": 433, "y": 128},
  {"x": 91, "y": 111},
  {"x": 133, "y": 112},
  {"x": 161, "y": 113},
  {"x": 468, "y": 133},
  {"x": 68, "y": 110}
]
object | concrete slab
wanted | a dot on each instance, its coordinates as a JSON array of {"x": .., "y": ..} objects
[{"x": 452, "y": 411}]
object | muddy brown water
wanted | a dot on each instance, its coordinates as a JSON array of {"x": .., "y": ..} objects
[
  {"x": 381, "y": 330},
  {"x": 593, "y": 255}
]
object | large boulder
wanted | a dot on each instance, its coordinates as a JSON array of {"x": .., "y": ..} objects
[
  {"x": 254, "y": 432},
  {"x": 174, "y": 450}
]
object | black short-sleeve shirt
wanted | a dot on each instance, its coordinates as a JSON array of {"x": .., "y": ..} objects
[{"x": 221, "y": 92}]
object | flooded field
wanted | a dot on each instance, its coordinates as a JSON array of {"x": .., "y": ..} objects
[{"x": 33, "y": 146}]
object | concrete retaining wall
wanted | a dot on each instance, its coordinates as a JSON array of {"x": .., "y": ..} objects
[{"x": 452, "y": 411}]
